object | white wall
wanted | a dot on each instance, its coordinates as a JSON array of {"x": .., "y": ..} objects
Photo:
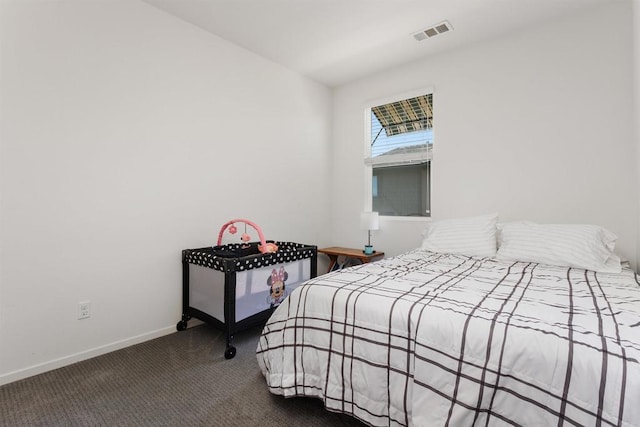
[
  {"x": 128, "y": 135},
  {"x": 537, "y": 125},
  {"x": 636, "y": 114}
]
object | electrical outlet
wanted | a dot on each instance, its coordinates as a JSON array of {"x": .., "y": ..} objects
[{"x": 84, "y": 310}]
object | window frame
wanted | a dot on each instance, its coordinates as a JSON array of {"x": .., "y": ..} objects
[{"x": 368, "y": 169}]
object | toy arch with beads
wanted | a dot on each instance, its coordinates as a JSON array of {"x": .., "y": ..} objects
[{"x": 263, "y": 247}]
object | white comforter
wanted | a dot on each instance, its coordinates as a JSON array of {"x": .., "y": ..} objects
[{"x": 427, "y": 339}]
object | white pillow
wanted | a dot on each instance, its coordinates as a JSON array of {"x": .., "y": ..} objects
[
  {"x": 566, "y": 245},
  {"x": 471, "y": 236}
]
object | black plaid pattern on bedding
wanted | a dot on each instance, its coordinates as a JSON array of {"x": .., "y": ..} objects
[{"x": 427, "y": 339}]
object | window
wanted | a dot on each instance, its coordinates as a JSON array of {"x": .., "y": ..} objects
[{"x": 399, "y": 154}]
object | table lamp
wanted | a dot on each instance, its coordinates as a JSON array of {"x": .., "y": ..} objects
[{"x": 369, "y": 221}]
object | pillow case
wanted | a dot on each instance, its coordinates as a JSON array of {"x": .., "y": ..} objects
[
  {"x": 565, "y": 245},
  {"x": 471, "y": 236}
]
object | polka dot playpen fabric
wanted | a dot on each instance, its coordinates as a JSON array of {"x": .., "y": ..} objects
[
  {"x": 237, "y": 257},
  {"x": 235, "y": 287}
]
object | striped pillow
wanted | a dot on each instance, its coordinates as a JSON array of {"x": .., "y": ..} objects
[
  {"x": 566, "y": 245},
  {"x": 471, "y": 236}
]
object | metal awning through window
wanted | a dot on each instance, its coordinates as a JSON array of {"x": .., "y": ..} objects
[{"x": 404, "y": 116}]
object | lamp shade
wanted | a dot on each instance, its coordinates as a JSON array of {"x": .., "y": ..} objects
[{"x": 369, "y": 221}]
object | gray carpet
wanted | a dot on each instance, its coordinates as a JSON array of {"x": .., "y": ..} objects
[{"x": 181, "y": 379}]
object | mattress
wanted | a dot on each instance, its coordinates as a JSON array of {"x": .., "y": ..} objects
[{"x": 426, "y": 339}]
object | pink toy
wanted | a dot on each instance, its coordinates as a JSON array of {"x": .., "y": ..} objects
[{"x": 263, "y": 247}]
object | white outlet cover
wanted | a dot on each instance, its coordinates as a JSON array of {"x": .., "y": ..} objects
[{"x": 84, "y": 309}]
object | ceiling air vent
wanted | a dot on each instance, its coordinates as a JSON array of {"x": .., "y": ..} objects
[{"x": 433, "y": 31}]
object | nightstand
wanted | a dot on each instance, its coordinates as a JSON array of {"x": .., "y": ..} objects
[{"x": 335, "y": 251}]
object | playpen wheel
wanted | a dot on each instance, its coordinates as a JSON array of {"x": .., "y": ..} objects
[
  {"x": 182, "y": 325},
  {"x": 230, "y": 352}
]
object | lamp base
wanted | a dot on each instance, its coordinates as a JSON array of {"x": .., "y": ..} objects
[{"x": 368, "y": 250}]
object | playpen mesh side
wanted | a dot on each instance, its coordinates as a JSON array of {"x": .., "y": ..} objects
[{"x": 287, "y": 252}]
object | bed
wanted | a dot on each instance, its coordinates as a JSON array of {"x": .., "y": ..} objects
[{"x": 439, "y": 338}]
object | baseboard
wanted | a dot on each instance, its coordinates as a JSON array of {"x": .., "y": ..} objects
[{"x": 84, "y": 355}]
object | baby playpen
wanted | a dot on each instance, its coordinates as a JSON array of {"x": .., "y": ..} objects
[{"x": 236, "y": 286}]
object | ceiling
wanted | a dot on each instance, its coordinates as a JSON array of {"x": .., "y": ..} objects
[{"x": 338, "y": 41}]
